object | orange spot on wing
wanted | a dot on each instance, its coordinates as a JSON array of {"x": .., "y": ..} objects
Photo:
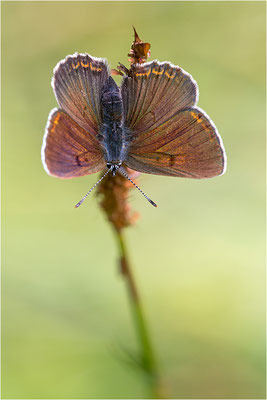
[
  {"x": 199, "y": 120},
  {"x": 168, "y": 75},
  {"x": 75, "y": 66},
  {"x": 95, "y": 68},
  {"x": 143, "y": 73},
  {"x": 206, "y": 128},
  {"x": 194, "y": 115},
  {"x": 55, "y": 122},
  {"x": 154, "y": 71},
  {"x": 85, "y": 65}
]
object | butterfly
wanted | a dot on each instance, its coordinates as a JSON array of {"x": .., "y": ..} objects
[{"x": 150, "y": 123}]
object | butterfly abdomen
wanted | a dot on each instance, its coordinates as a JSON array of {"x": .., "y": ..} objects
[
  {"x": 111, "y": 102},
  {"x": 111, "y": 130}
]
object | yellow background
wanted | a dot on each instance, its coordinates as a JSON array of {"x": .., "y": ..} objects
[{"x": 198, "y": 258}]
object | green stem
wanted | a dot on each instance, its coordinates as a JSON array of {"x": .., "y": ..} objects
[{"x": 148, "y": 360}]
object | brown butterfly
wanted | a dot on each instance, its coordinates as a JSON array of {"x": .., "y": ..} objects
[{"x": 150, "y": 123}]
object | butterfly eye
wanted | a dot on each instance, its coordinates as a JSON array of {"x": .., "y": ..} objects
[{"x": 109, "y": 165}]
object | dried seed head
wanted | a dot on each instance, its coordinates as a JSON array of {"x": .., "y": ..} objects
[
  {"x": 113, "y": 193},
  {"x": 140, "y": 50},
  {"x": 138, "y": 54}
]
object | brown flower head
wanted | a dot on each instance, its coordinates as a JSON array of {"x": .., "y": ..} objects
[
  {"x": 113, "y": 192},
  {"x": 138, "y": 54},
  {"x": 140, "y": 50}
]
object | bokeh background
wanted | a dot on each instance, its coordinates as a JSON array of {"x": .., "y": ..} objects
[{"x": 198, "y": 258}]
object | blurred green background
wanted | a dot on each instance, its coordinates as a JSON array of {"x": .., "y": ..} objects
[{"x": 198, "y": 258}]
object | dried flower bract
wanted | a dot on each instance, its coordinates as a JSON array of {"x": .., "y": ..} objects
[
  {"x": 138, "y": 54},
  {"x": 140, "y": 50}
]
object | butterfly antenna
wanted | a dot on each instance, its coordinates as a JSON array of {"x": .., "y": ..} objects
[
  {"x": 92, "y": 188},
  {"x": 137, "y": 187}
]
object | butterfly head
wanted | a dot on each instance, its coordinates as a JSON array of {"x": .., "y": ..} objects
[{"x": 113, "y": 166}]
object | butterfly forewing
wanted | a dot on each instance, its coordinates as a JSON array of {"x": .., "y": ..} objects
[
  {"x": 186, "y": 145},
  {"x": 153, "y": 92},
  {"x": 68, "y": 150},
  {"x": 78, "y": 82}
]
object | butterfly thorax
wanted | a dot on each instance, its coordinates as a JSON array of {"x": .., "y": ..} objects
[{"x": 112, "y": 130}]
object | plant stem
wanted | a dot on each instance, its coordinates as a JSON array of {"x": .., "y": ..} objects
[{"x": 148, "y": 361}]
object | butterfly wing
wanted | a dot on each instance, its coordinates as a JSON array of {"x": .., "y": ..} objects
[
  {"x": 187, "y": 145},
  {"x": 70, "y": 145},
  {"x": 153, "y": 93},
  {"x": 77, "y": 83},
  {"x": 169, "y": 135},
  {"x": 68, "y": 150}
]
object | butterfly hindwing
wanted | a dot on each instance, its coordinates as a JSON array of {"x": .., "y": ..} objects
[
  {"x": 186, "y": 145},
  {"x": 77, "y": 83},
  {"x": 68, "y": 150}
]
